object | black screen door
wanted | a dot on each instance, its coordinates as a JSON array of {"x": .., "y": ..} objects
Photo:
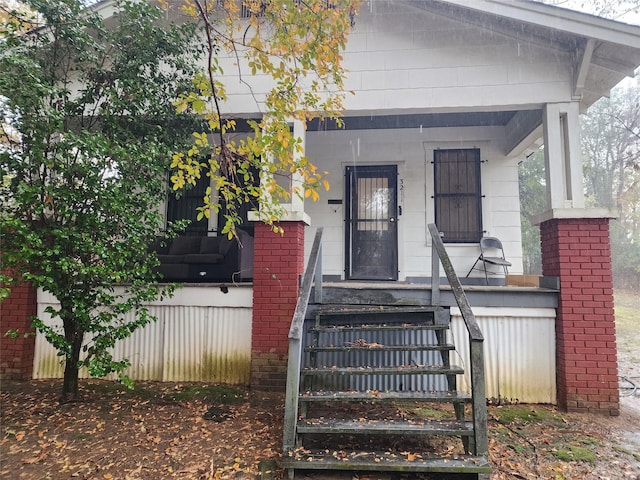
[{"x": 371, "y": 223}]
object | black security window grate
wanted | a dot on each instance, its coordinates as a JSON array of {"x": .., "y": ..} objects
[{"x": 457, "y": 195}]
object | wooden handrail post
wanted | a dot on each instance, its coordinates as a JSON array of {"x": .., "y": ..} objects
[
  {"x": 317, "y": 296},
  {"x": 291, "y": 396},
  {"x": 294, "y": 360},
  {"x": 476, "y": 339},
  {"x": 435, "y": 276},
  {"x": 478, "y": 388}
]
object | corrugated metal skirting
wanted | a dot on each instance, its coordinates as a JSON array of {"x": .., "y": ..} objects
[
  {"x": 376, "y": 358},
  {"x": 187, "y": 343},
  {"x": 519, "y": 348},
  {"x": 519, "y": 356}
]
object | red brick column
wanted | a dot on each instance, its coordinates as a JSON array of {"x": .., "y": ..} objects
[
  {"x": 16, "y": 354},
  {"x": 578, "y": 251},
  {"x": 278, "y": 262}
]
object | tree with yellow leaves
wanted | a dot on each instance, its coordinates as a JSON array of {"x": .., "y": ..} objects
[{"x": 297, "y": 44}]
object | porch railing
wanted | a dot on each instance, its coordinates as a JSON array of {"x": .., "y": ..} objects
[
  {"x": 312, "y": 274},
  {"x": 476, "y": 340}
]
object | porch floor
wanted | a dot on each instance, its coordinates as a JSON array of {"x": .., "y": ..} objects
[{"x": 413, "y": 293}]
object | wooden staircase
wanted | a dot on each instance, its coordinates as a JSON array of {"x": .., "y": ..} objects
[
  {"x": 371, "y": 388},
  {"x": 360, "y": 378}
]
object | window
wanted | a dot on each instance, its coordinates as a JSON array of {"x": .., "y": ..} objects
[
  {"x": 184, "y": 207},
  {"x": 457, "y": 195},
  {"x": 243, "y": 209}
]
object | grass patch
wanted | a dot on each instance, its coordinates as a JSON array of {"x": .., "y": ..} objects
[
  {"x": 431, "y": 413},
  {"x": 524, "y": 415},
  {"x": 520, "y": 449},
  {"x": 574, "y": 453},
  {"x": 623, "y": 450},
  {"x": 627, "y": 305},
  {"x": 590, "y": 441},
  {"x": 102, "y": 387}
]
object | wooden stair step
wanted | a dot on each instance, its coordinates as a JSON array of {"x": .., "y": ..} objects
[
  {"x": 380, "y": 348},
  {"x": 395, "y": 370},
  {"x": 373, "y": 327},
  {"x": 381, "y": 309},
  {"x": 383, "y": 461},
  {"x": 376, "y": 396},
  {"x": 384, "y": 427}
]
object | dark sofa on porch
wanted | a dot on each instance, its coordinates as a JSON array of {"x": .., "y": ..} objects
[{"x": 205, "y": 258}]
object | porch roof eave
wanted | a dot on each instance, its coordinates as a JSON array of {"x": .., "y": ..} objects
[{"x": 557, "y": 18}]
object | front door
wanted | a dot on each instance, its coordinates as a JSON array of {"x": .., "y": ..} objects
[{"x": 371, "y": 223}]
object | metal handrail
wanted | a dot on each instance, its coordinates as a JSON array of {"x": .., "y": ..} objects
[
  {"x": 312, "y": 274},
  {"x": 476, "y": 339}
]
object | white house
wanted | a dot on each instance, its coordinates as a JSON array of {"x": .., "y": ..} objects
[{"x": 450, "y": 95}]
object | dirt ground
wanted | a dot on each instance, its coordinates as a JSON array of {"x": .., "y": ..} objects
[{"x": 197, "y": 431}]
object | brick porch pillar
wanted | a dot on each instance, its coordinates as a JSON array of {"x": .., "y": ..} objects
[
  {"x": 577, "y": 250},
  {"x": 16, "y": 354},
  {"x": 278, "y": 262}
]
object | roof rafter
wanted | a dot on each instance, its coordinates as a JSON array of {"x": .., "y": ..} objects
[
  {"x": 581, "y": 68},
  {"x": 612, "y": 65}
]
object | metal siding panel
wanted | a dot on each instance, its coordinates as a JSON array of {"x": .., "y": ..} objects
[
  {"x": 227, "y": 352},
  {"x": 144, "y": 349},
  {"x": 519, "y": 352},
  {"x": 46, "y": 363},
  {"x": 183, "y": 344},
  {"x": 378, "y": 358},
  {"x": 209, "y": 344},
  {"x": 187, "y": 343}
]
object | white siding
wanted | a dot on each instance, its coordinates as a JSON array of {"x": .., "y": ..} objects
[
  {"x": 519, "y": 350},
  {"x": 201, "y": 334},
  {"x": 399, "y": 57},
  {"x": 412, "y": 150}
]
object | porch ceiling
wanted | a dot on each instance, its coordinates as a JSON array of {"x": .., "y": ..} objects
[
  {"x": 523, "y": 127},
  {"x": 424, "y": 120}
]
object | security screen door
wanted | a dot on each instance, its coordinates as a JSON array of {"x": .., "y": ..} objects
[{"x": 371, "y": 223}]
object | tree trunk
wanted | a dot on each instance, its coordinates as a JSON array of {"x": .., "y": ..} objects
[
  {"x": 70, "y": 383},
  {"x": 74, "y": 337}
]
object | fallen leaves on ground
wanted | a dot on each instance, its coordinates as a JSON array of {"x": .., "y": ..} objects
[
  {"x": 155, "y": 432},
  {"x": 116, "y": 434}
]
